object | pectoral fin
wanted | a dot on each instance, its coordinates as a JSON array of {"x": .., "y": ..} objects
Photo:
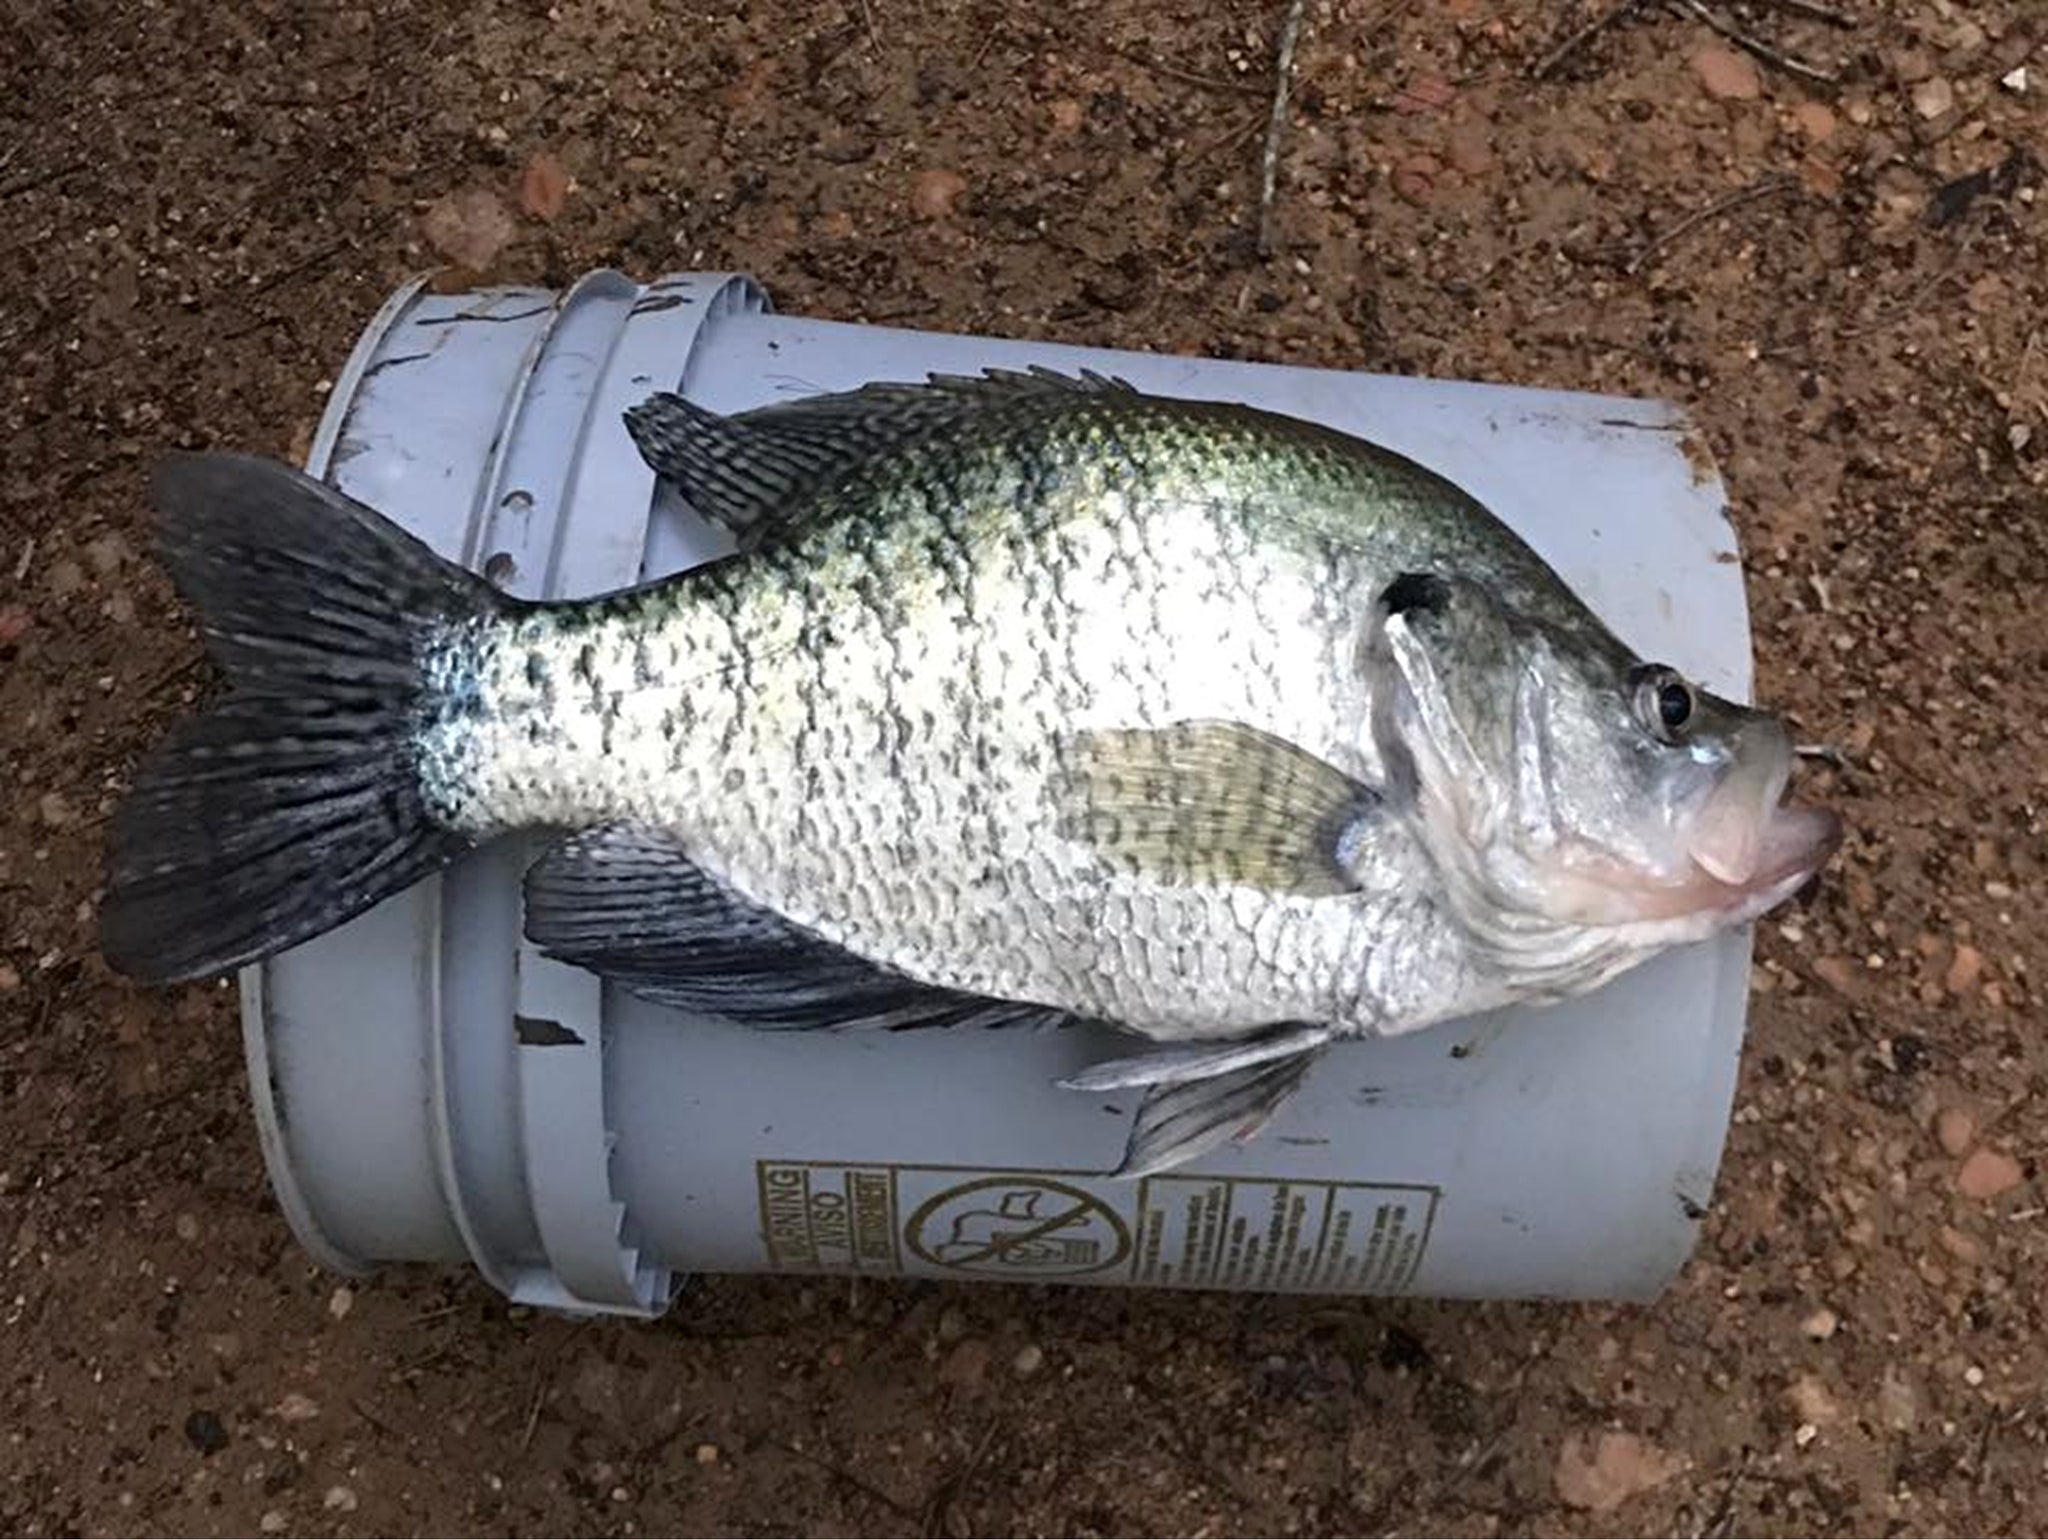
[
  {"x": 1198, "y": 1061},
  {"x": 1213, "y": 802},
  {"x": 1179, "y": 1120}
]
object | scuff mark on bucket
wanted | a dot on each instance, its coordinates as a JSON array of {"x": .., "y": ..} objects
[{"x": 540, "y": 1032}]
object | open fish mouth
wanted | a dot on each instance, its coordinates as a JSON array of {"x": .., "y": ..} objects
[
  {"x": 1750, "y": 835},
  {"x": 1749, "y": 848}
]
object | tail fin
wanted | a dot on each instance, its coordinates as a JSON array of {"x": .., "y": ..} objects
[{"x": 295, "y": 804}]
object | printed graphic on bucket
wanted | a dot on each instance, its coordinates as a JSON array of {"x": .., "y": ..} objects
[{"x": 1181, "y": 1231}]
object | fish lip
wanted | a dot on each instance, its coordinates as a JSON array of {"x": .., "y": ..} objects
[{"x": 1815, "y": 838}]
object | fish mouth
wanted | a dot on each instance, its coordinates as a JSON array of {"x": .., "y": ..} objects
[
  {"x": 1796, "y": 844},
  {"x": 1747, "y": 850},
  {"x": 1751, "y": 846}
]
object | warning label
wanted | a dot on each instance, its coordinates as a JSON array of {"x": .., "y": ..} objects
[
  {"x": 1315, "y": 1237},
  {"x": 1197, "y": 1232},
  {"x": 830, "y": 1218}
]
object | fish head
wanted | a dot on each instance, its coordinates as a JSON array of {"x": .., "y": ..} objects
[{"x": 1564, "y": 785}]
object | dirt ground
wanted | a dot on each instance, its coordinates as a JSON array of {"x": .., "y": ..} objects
[{"x": 201, "y": 205}]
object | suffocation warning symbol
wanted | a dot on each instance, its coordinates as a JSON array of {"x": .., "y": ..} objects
[{"x": 1018, "y": 1227}]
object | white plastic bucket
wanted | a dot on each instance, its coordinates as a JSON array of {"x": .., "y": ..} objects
[{"x": 429, "y": 1089}]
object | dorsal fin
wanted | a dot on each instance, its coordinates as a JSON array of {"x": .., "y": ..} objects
[{"x": 745, "y": 471}]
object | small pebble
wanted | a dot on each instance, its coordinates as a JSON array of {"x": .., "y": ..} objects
[
  {"x": 1726, "y": 74},
  {"x": 1836, "y": 973},
  {"x": 1816, "y": 120},
  {"x": 1956, "y": 1128},
  {"x": 2016, "y": 81},
  {"x": 1067, "y": 115},
  {"x": 1601, "y": 1473},
  {"x": 1030, "y": 1359},
  {"x": 1415, "y": 178},
  {"x": 967, "y": 1365},
  {"x": 187, "y": 1226},
  {"x": 1820, "y": 1325},
  {"x": 935, "y": 192},
  {"x": 1960, "y": 1245},
  {"x": 1897, "y": 1403},
  {"x": 622, "y": 1494},
  {"x": 339, "y": 1500},
  {"x": 1469, "y": 148},
  {"x": 10, "y": 978},
  {"x": 1964, "y": 969},
  {"x": 295, "y": 1406},
  {"x": 205, "y": 1432},
  {"x": 55, "y": 811},
  {"x": 1987, "y": 1174},
  {"x": 707, "y": 1454},
  {"x": 952, "y": 1324},
  {"x": 341, "y": 1302},
  {"x": 1933, "y": 97},
  {"x": 106, "y": 554},
  {"x": 272, "y": 1522},
  {"x": 1814, "y": 1402}
]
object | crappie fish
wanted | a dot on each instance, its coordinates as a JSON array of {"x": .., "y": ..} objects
[{"x": 1024, "y": 699}]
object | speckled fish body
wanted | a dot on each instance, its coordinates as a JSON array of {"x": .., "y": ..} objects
[
  {"x": 1021, "y": 696},
  {"x": 859, "y": 727}
]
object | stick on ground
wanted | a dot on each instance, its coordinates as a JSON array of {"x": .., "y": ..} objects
[
  {"x": 1618, "y": 11},
  {"x": 1269, "y": 175},
  {"x": 1818, "y": 12},
  {"x": 1767, "y": 186},
  {"x": 1755, "y": 45}
]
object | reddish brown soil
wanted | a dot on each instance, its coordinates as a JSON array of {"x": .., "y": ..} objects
[{"x": 203, "y": 204}]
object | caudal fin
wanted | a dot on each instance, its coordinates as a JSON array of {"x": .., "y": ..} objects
[{"x": 294, "y": 805}]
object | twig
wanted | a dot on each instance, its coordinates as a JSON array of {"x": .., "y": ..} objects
[
  {"x": 1230, "y": 140},
  {"x": 1755, "y": 45},
  {"x": 1173, "y": 72},
  {"x": 1719, "y": 1521},
  {"x": 847, "y": 1478},
  {"x": 1290, "y": 34},
  {"x": 1618, "y": 11},
  {"x": 540, "y": 1386},
  {"x": 177, "y": 673},
  {"x": 29, "y": 181},
  {"x": 938, "y": 1507},
  {"x": 1763, "y": 187},
  {"x": 1913, "y": 300},
  {"x": 375, "y": 1421},
  {"x": 1818, "y": 12}
]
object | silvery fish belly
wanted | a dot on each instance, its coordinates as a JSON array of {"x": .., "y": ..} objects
[{"x": 1024, "y": 699}]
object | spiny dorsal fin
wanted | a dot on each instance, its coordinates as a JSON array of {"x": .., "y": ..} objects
[
  {"x": 1212, "y": 802},
  {"x": 745, "y": 471}
]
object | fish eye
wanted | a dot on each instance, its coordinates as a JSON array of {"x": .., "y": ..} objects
[{"x": 1664, "y": 701}]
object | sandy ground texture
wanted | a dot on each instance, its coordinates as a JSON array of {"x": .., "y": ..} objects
[{"x": 1842, "y": 277}]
